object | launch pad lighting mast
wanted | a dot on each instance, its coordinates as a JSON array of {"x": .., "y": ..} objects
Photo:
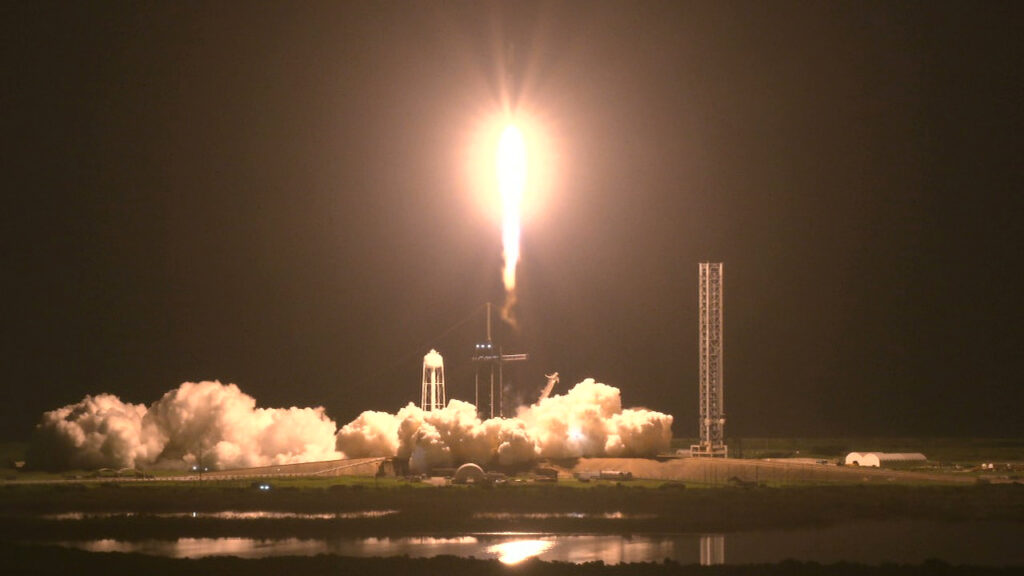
[{"x": 712, "y": 398}]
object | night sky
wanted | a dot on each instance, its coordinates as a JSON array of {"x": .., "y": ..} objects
[{"x": 275, "y": 194}]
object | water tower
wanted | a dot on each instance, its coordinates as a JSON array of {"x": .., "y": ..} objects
[{"x": 433, "y": 397}]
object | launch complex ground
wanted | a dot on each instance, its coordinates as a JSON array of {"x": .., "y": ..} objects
[
  {"x": 703, "y": 471},
  {"x": 770, "y": 462},
  {"x": 640, "y": 472},
  {"x": 361, "y": 498},
  {"x": 677, "y": 495}
]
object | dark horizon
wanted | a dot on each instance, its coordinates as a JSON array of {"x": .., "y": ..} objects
[{"x": 275, "y": 195}]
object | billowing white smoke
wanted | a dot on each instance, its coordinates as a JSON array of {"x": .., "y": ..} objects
[
  {"x": 220, "y": 426},
  {"x": 99, "y": 431},
  {"x": 586, "y": 421},
  {"x": 210, "y": 422},
  {"x": 438, "y": 438}
]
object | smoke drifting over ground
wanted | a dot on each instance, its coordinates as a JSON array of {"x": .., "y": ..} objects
[
  {"x": 208, "y": 422},
  {"x": 221, "y": 427},
  {"x": 586, "y": 421}
]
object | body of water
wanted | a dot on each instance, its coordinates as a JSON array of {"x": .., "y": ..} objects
[{"x": 906, "y": 542}]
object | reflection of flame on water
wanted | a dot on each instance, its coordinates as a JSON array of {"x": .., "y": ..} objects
[
  {"x": 516, "y": 551},
  {"x": 104, "y": 545},
  {"x": 712, "y": 549},
  {"x": 556, "y": 515},
  {"x": 226, "y": 515}
]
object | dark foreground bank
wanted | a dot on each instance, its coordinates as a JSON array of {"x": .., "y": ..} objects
[{"x": 46, "y": 560}]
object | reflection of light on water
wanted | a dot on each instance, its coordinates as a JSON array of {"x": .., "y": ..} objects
[
  {"x": 228, "y": 515},
  {"x": 202, "y": 547},
  {"x": 555, "y": 515},
  {"x": 712, "y": 549},
  {"x": 64, "y": 516},
  {"x": 105, "y": 545},
  {"x": 611, "y": 549},
  {"x": 265, "y": 515},
  {"x": 198, "y": 547},
  {"x": 423, "y": 546},
  {"x": 84, "y": 515},
  {"x": 983, "y": 543},
  {"x": 516, "y": 551}
]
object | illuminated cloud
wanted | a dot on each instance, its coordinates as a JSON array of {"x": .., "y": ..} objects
[
  {"x": 221, "y": 427},
  {"x": 210, "y": 422},
  {"x": 586, "y": 421}
]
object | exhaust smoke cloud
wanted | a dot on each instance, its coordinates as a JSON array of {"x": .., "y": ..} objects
[
  {"x": 208, "y": 423},
  {"x": 587, "y": 421},
  {"x": 219, "y": 426}
]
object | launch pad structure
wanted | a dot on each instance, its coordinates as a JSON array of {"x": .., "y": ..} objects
[
  {"x": 489, "y": 362},
  {"x": 712, "y": 397}
]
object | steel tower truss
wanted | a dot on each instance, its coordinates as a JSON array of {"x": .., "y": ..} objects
[
  {"x": 712, "y": 399},
  {"x": 489, "y": 368}
]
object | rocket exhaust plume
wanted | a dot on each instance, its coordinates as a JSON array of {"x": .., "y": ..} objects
[{"x": 511, "y": 182}]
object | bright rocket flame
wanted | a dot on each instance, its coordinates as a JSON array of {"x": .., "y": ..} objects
[{"x": 511, "y": 182}]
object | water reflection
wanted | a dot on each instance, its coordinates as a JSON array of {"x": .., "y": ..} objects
[
  {"x": 507, "y": 548},
  {"x": 227, "y": 515},
  {"x": 559, "y": 515},
  {"x": 202, "y": 547},
  {"x": 712, "y": 549},
  {"x": 618, "y": 549},
  {"x": 978, "y": 543},
  {"x": 418, "y": 547},
  {"x": 516, "y": 551}
]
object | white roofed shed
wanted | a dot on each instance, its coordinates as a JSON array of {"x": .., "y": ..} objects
[{"x": 878, "y": 459}]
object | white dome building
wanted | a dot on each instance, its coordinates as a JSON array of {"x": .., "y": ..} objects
[
  {"x": 469, "y": 473},
  {"x": 877, "y": 459}
]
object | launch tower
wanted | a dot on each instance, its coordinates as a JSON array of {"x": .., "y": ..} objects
[
  {"x": 433, "y": 397},
  {"x": 712, "y": 400},
  {"x": 489, "y": 364}
]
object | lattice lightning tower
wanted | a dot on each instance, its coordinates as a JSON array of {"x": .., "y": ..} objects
[{"x": 712, "y": 399}]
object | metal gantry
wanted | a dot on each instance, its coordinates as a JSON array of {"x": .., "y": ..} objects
[
  {"x": 712, "y": 398},
  {"x": 489, "y": 363}
]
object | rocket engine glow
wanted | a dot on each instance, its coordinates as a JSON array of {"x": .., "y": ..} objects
[{"x": 511, "y": 164}]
